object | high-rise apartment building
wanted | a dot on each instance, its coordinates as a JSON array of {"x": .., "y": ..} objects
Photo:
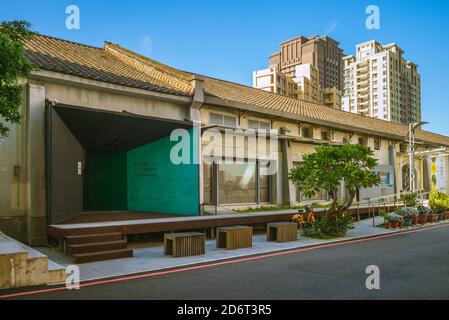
[
  {"x": 380, "y": 83},
  {"x": 311, "y": 68}
]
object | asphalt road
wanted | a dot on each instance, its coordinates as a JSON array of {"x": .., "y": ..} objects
[{"x": 412, "y": 266}]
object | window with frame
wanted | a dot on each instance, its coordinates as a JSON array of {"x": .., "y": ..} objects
[
  {"x": 377, "y": 144},
  {"x": 363, "y": 141},
  {"x": 258, "y": 125},
  {"x": 324, "y": 135},
  {"x": 223, "y": 120},
  {"x": 306, "y": 132}
]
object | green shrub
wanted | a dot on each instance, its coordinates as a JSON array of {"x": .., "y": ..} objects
[
  {"x": 331, "y": 227},
  {"x": 439, "y": 202},
  {"x": 410, "y": 199}
]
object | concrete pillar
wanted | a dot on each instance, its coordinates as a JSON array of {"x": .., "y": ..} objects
[
  {"x": 393, "y": 162},
  {"x": 288, "y": 188},
  {"x": 35, "y": 165},
  {"x": 195, "y": 116},
  {"x": 446, "y": 174},
  {"x": 427, "y": 174}
]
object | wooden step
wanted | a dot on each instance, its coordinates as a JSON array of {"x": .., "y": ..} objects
[
  {"x": 94, "y": 238},
  {"x": 97, "y": 246},
  {"x": 103, "y": 255}
]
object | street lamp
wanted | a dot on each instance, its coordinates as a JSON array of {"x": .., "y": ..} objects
[{"x": 411, "y": 139}]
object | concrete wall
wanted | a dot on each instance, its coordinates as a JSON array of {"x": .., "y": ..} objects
[
  {"x": 115, "y": 102},
  {"x": 22, "y": 266},
  {"x": 13, "y": 184},
  {"x": 65, "y": 188}
]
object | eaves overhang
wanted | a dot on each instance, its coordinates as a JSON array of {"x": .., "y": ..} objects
[
  {"x": 80, "y": 82},
  {"x": 213, "y": 100}
]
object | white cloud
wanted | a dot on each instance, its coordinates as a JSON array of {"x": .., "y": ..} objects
[{"x": 331, "y": 27}]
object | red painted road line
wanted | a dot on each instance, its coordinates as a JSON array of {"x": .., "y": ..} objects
[{"x": 214, "y": 264}]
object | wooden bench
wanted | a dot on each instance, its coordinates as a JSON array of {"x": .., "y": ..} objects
[
  {"x": 282, "y": 231},
  {"x": 185, "y": 244},
  {"x": 235, "y": 237}
]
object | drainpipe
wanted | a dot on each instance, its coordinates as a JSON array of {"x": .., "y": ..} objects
[{"x": 197, "y": 84}]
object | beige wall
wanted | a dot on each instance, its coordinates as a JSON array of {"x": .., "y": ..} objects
[
  {"x": 13, "y": 188},
  {"x": 115, "y": 102}
]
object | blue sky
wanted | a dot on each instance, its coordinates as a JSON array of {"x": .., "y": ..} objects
[{"x": 229, "y": 39}]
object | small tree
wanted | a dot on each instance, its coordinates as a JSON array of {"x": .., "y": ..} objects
[
  {"x": 329, "y": 166},
  {"x": 13, "y": 65}
]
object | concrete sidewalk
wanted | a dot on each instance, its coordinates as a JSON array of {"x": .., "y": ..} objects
[{"x": 151, "y": 259}]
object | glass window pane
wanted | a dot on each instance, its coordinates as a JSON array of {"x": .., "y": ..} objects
[
  {"x": 237, "y": 183},
  {"x": 216, "y": 118},
  {"x": 252, "y": 124},
  {"x": 264, "y": 126},
  {"x": 230, "y": 121}
]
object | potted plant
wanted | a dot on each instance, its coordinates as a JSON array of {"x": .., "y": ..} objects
[
  {"x": 394, "y": 219},
  {"x": 430, "y": 216},
  {"x": 415, "y": 220},
  {"x": 410, "y": 215},
  {"x": 439, "y": 202},
  {"x": 445, "y": 215},
  {"x": 423, "y": 213}
]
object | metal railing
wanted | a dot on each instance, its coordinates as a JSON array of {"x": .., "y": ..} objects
[
  {"x": 386, "y": 202},
  {"x": 379, "y": 203}
]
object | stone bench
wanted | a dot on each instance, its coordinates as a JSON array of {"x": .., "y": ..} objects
[
  {"x": 184, "y": 244},
  {"x": 235, "y": 237},
  {"x": 282, "y": 231}
]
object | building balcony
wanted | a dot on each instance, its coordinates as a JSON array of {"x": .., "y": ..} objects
[
  {"x": 363, "y": 69},
  {"x": 364, "y": 110},
  {"x": 362, "y": 76},
  {"x": 363, "y": 83},
  {"x": 363, "y": 103},
  {"x": 363, "y": 96},
  {"x": 363, "y": 88}
]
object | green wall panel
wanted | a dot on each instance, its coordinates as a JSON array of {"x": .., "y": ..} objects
[
  {"x": 105, "y": 186},
  {"x": 143, "y": 179},
  {"x": 155, "y": 184}
]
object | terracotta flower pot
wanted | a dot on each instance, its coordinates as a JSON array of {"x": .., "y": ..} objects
[
  {"x": 432, "y": 218},
  {"x": 387, "y": 225},
  {"x": 422, "y": 218},
  {"x": 415, "y": 220},
  {"x": 394, "y": 224},
  {"x": 446, "y": 215}
]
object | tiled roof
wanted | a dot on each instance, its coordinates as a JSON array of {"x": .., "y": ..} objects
[
  {"x": 98, "y": 64},
  {"x": 117, "y": 65},
  {"x": 267, "y": 100}
]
